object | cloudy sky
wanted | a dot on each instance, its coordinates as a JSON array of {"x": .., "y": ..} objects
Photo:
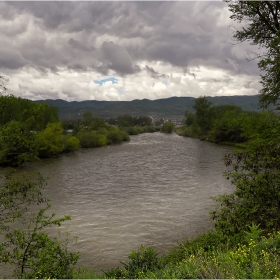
[{"x": 122, "y": 50}]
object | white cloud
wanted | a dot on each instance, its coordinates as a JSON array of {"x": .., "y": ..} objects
[{"x": 56, "y": 50}]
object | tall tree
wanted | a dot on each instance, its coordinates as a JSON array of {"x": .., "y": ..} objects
[
  {"x": 17, "y": 144},
  {"x": 261, "y": 26},
  {"x": 202, "y": 113}
]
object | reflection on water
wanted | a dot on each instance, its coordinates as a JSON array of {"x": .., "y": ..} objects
[{"x": 153, "y": 190}]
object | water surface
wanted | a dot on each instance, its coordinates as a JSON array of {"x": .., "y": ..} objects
[{"x": 153, "y": 190}]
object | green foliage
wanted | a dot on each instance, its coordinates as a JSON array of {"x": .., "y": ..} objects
[
  {"x": 72, "y": 144},
  {"x": 22, "y": 110},
  {"x": 168, "y": 127},
  {"x": 115, "y": 135},
  {"x": 189, "y": 118},
  {"x": 256, "y": 174},
  {"x": 90, "y": 139},
  {"x": 17, "y": 144},
  {"x": 206, "y": 242},
  {"x": 20, "y": 121},
  {"x": 141, "y": 261},
  {"x": 87, "y": 118},
  {"x": 125, "y": 120},
  {"x": 189, "y": 131},
  {"x": 130, "y": 121},
  {"x": 220, "y": 124},
  {"x": 202, "y": 113},
  {"x": 86, "y": 273},
  {"x": 135, "y": 130},
  {"x": 228, "y": 128},
  {"x": 34, "y": 254},
  {"x": 50, "y": 140},
  {"x": 15, "y": 196},
  {"x": 256, "y": 259},
  {"x": 262, "y": 28},
  {"x": 209, "y": 256},
  {"x": 26, "y": 245},
  {"x": 87, "y": 138}
]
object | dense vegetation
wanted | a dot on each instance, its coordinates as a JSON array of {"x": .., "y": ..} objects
[
  {"x": 245, "y": 242},
  {"x": 227, "y": 124},
  {"x": 133, "y": 125},
  {"x": 29, "y": 131}
]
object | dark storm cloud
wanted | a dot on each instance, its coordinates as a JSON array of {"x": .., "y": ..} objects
[
  {"x": 79, "y": 45},
  {"x": 73, "y": 36},
  {"x": 154, "y": 74},
  {"x": 11, "y": 59},
  {"x": 116, "y": 58}
]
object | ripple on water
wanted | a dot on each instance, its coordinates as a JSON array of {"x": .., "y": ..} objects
[{"x": 153, "y": 190}]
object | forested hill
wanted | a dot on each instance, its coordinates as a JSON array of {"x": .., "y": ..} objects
[{"x": 173, "y": 107}]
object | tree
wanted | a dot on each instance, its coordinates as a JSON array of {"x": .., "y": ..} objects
[
  {"x": 202, "y": 113},
  {"x": 261, "y": 26},
  {"x": 22, "y": 110},
  {"x": 71, "y": 144},
  {"x": 25, "y": 243},
  {"x": 50, "y": 140},
  {"x": 17, "y": 144},
  {"x": 189, "y": 118},
  {"x": 256, "y": 174},
  {"x": 87, "y": 118},
  {"x": 168, "y": 127},
  {"x": 125, "y": 120}
]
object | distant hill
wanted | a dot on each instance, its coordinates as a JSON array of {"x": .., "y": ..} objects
[{"x": 168, "y": 108}]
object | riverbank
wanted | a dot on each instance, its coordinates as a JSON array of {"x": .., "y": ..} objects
[
  {"x": 185, "y": 131},
  {"x": 210, "y": 256}
]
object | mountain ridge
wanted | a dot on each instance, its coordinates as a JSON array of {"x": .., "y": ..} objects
[{"x": 167, "y": 108}]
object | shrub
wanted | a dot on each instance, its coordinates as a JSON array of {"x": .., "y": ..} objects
[{"x": 71, "y": 144}]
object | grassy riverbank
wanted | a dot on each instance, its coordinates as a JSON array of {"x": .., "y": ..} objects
[{"x": 212, "y": 255}]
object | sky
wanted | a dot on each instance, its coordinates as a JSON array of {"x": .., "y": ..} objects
[{"x": 123, "y": 50}]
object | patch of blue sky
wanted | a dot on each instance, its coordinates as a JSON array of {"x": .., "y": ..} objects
[{"x": 100, "y": 82}]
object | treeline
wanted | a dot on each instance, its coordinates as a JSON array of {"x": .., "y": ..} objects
[
  {"x": 133, "y": 125},
  {"x": 127, "y": 123},
  {"x": 29, "y": 131},
  {"x": 222, "y": 124},
  {"x": 92, "y": 132},
  {"x": 23, "y": 110}
]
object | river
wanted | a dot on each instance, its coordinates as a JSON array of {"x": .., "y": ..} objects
[{"x": 154, "y": 190}]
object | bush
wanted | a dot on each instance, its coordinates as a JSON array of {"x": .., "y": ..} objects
[
  {"x": 17, "y": 144},
  {"x": 71, "y": 144},
  {"x": 116, "y": 135},
  {"x": 88, "y": 139},
  {"x": 141, "y": 261},
  {"x": 50, "y": 140},
  {"x": 256, "y": 174},
  {"x": 168, "y": 127}
]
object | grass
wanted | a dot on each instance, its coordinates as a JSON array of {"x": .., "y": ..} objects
[{"x": 249, "y": 255}]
